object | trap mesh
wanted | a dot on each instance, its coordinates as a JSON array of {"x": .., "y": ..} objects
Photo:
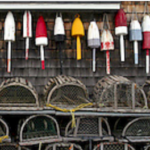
[
  {"x": 118, "y": 92},
  {"x": 147, "y": 147},
  {"x": 91, "y": 126},
  {"x": 65, "y": 92},
  {"x": 39, "y": 127},
  {"x": 63, "y": 146},
  {"x": 17, "y": 92},
  {"x": 113, "y": 146}
]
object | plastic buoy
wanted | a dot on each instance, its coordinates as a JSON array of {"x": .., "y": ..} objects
[
  {"x": 78, "y": 31},
  {"x": 41, "y": 38},
  {"x": 9, "y": 35},
  {"x": 93, "y": 40}
]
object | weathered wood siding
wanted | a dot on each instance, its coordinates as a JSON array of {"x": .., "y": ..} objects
[{"x": 82, "y": 69}]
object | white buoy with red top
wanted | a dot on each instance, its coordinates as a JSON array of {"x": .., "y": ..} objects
[
  {"x": 146, "y": 38},
  {"x": 93, "y": 40},
  {"x": 121, "y": 29},
  {"x": 9, "y": 35},
  {"x": 41, "y": 38},
  {"x": 107, "y": 43},
  {"x": 27, "y": 30}
]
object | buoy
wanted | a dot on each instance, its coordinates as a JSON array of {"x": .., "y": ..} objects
[
  {"x": 59, "y": 33},
  {"x": 9, "y": 35},
  {"x": 41, "y": 38},
  {"x": 121, "y": 29},
  {"x": 27, "y": 31},
  {"x": 78, "y": 31},
  {"x": 107, "y": 43},
  {"x": 93, "y": 40},
  {"x": 146, "y": 38}
]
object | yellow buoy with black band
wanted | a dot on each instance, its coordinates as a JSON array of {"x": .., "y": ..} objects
[{"x": 78, "y": 31}]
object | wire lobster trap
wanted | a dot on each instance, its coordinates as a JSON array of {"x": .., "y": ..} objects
[
  {"x": 17, "y": 93},
  {"x": 113, "y": 146},
  {"x": 88, "y": 128},
  {"x": 136, "y": 130},
  {"x": 118, "y": 93},
  {"x": 65, "y": 92},
  {"x": 63, "y": 146},
  {"x": 4, "y": 131},
  {"x": 146, "y": 88},
  {"x": 11, "y": 146},
  {"x": 39, "y": 129}
]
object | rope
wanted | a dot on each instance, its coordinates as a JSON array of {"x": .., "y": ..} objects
[
  {"x": 106, "y": 22},
  {"x": 70, "y": 110},
  {"x": 3, "y": 138},
  {"x": 40, "y": 145},
  {"x": 134, "y": 12},
  {"x": 146, "y": 10}
]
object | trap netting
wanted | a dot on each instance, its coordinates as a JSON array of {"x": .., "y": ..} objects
[
  {"x": 146, "y": 88},
  {"x": 113, "y": 146},
  {"x": 18, "y": 92},
  {"x": 96, "y": 128},
  {"x": 65, "y": 92},
  {"x": 136, "y": 130},
  {"x": 4, "y": 131},
  {"x": 39, "y": 128},
  {"x": 147, "y": 147},
  {"x": 11, "y": 146},
  {"x": 118, "y": 92},
  {"x": 63, "y": 146}
]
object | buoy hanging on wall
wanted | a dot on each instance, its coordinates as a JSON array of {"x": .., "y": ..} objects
[
  {"x": 93, "y": 40},
  {"x": 78, "y": 31},
  {"x": 41, "y": 38},
  {"x": 27, "y": 31},
  {"x": 121, "y": 29},
  {"x": 9, "y": 35},
  {"x": 107, "y": 42}
]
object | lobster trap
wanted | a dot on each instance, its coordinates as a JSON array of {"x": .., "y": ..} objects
[
  {"x": 65, "y": 92},
  {"x": 63, "y": 146},
  {"x": 37, "y": 129},
  {"x": 113, "y": 146},
  {"x": 136, "y": 130},
  {"x": 11, "y": 146},
  {"x": 87, "y": 128},
  {"x": 17, "y": 93},
  {"x": 116, "y": 92},
  {"x": 4, "y": 131}
]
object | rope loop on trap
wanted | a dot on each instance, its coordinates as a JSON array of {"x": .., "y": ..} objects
[
  {"x": 3, "y": 138},
  {"x": 71, "y": 110}
]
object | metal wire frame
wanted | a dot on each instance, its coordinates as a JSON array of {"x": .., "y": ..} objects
[
  {"x": 18, "y": 83},
  {"x": 88, "y": 128},
  {"x": 43, "y": 138},
  {"x": 11, "y": 146},
  {"x": 113, "y": 146},
  {"x": 63, "y": 146},
  {"x": 65, "y": 91},
  {"x": 136, "y": 130},
  {"x": 118, "y": 93},
  {"x": 5, "y": 131}
]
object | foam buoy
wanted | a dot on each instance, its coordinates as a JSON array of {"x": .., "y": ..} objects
[
  {"x": 41, "y": 38},
  {"x": 9, "y": 35}
]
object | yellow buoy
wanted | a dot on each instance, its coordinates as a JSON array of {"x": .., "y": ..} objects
[{"x": 78, "y": 31}]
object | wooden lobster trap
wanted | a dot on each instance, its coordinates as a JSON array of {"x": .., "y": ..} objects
[
  {"x": 63, "y": 146},
  {"x": 113, "y": 146},
  {"x": 11, "y": 146},
  {"x": 118, "y": 93},
  {"x": 38, "y": 129},
  {"x": 4, "y": 131},
  {"x": 136, "y": 130},
  {"x": 65, "y": 92},
  {"x": 18, "y": 93},
  {"x": 88, "y": 128}
]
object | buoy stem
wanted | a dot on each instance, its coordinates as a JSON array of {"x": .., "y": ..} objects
[
  {"x": 42, "y": 57},
  {"x": 122, "y": 51},
  {"x": 107, "y": 62},
  {"x": 94, "y": 61},
  {"x": 78, "y": 48},
  {"x": 9, "y": 57},
  {"x": 136, "y": 52},
  {"x": 147, "y": 61},
  {"x": 27, "y": 48}
]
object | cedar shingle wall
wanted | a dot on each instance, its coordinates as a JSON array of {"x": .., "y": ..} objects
[{"x": 80, "y": 69}]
